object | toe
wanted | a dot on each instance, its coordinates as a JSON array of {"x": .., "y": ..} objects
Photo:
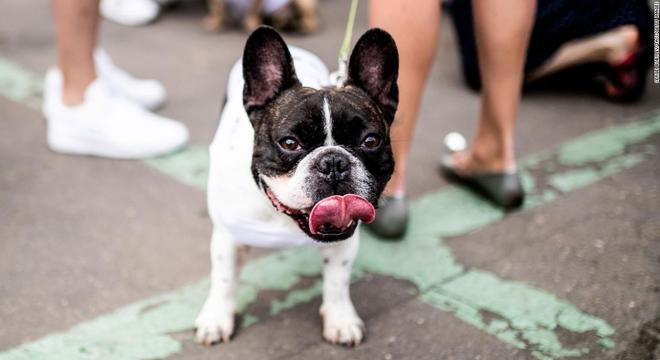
[
  {"x": 349, "y": 333},
  {"x": 207, "y": 336}
]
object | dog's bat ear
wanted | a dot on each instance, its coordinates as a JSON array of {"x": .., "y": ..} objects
[
  {"x": 374, "y": 67},
  {"x": 267, "y": 68}
]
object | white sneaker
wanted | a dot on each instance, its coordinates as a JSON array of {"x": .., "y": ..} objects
[
  {"x": 147, "y": 93},
  {"x": 106, "y": 125},
  {"x": 130, "y": 12}
]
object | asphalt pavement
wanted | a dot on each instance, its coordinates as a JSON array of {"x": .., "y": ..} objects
[{"x": 104, "y": 259}]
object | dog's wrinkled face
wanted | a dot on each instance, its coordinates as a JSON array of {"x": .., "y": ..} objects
[{"x": 323, "y": 156}]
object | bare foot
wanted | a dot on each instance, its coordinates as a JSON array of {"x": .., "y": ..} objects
[
  {"x": 463, "y": 163},
  {"x": 480, "y": 160},
  {"x": 396, "y": 187},
  {"x": 466, "y": 163},
  {"x": 611, "y": 47},
  {"x": 620, "y": 43},
  {"x": 623, "y": 42}
]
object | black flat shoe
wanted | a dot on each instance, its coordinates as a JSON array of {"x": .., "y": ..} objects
[
  {"x": 503, "y": 189},
  {"x": 391, "y": 219}
]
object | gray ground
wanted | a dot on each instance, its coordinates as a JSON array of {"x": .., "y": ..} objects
[{"x": 80, "y": 237}]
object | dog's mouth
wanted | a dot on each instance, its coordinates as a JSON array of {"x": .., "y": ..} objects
[{"x": 333, "y": 218}]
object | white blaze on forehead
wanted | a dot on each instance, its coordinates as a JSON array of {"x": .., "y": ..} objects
[{"x": 327, "y": 121}]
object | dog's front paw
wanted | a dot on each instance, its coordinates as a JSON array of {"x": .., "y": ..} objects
[
  {"x": 214, "y": 323},
  {"x": 342, "y": 325}
]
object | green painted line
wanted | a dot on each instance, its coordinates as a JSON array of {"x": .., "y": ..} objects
[
  {"x": 189, "y": 166},
  {"x": 530, "y": 318},
  {"x": 602, "y": 145},
  {"x": 523, "y": 316},
  {"x": 575, "y": 179},
  {"x": 19, "y": 84},
  {"x": 120, "y": 334},
  {"x": 296, "y": 297}
]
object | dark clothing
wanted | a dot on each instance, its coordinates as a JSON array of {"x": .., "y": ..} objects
[{"x": 557, "y": 22}]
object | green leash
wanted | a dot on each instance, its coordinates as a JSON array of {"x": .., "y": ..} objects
[
  {"x": 339, "y": 77},
  {"x": 348, "y": 35}
]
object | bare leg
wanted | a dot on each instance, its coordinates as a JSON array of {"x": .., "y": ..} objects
[
  {"x": 502, "y": 30},
  {"x": 415, "y": 28},
  {"x": 611, "y": 47},
  {"x": 76, "y": 28}
]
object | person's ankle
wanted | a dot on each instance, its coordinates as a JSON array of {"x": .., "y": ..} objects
[
  {"x": 73, "y": 92},
  {"x": 395, "y": 189},
  {"x": 72, "y": 98},
  {"x": 492, "y": 157}
]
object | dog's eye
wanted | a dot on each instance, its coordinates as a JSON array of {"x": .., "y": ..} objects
[
  {"x": 371, "y": 142},
  {"x": 290, "y": 144}
]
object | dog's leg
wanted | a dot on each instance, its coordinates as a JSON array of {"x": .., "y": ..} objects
[
  {"x": 216, "y": 320},
  {"x": 341, "y": 324}
]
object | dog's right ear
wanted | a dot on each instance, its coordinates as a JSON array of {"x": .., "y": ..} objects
[
  {"x": 267, "y": 68},
  {"x": 374, "y": 67}
]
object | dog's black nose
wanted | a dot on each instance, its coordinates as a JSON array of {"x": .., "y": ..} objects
[{"x": 334, "y": 167}]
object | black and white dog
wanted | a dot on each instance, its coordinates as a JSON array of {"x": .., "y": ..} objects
[{"x": 295, "y": 162}]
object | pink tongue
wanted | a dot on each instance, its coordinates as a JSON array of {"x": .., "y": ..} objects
[{"x": 339, "y": 211}]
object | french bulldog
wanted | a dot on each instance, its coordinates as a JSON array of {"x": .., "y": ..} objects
[{"x": 296, "y": 162}]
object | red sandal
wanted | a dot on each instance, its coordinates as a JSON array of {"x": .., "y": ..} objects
[{"x": 626, "y": 81}]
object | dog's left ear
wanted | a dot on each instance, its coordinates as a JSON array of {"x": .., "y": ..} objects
[
  {"x": 374, "y": 67},
  {"x": 267, "y": 68}
]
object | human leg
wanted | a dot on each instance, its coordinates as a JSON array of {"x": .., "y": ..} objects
[
  {"x": 502, "y": 32},
  {"x": 87, "y": 115},
  {"x": 415, "y": 28},
  {"x": 76, "y": 30},
  {"x": 610, "y": 47}
]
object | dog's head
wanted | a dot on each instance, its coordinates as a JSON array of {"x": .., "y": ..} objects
[{"x": 322, "y": 156}]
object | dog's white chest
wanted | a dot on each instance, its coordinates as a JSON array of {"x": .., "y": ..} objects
[{"x": 234, "y": 199}]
